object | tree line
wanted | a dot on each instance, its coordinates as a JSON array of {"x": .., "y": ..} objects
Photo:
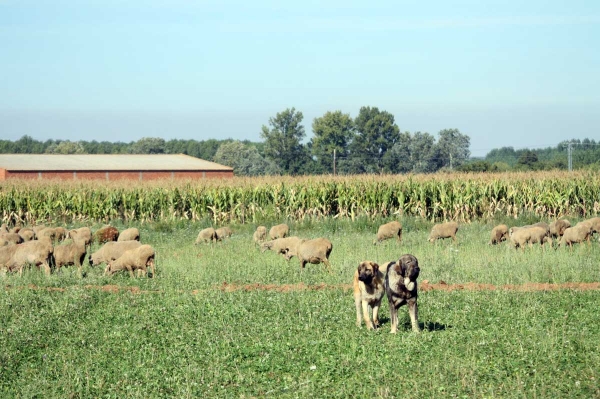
[{"x": 371, "y": 142}]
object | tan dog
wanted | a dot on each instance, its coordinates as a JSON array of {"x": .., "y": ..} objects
[{"x": 368, "y": 291}]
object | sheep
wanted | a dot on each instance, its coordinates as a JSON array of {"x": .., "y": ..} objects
[
  {"x": 81, "y": 234},
  {"x": 595, "y": 222},
  {"x": 37, "y": 228},
  {"x": 129, "y": 234},
  {"x": 38, "y": 253},
  {"x": 260, "y": 235},
  {"x": 52, "y": 233},
  {"x": 499, "y": 234},
  {"x": 311, "y": 251},
  {"x": 558, "y": 227},
  {"x": 12, "y": 238},
  {"x": 389, "y": 230},
  {"x": 111, "y": 251},
  {"x": 576, "y": 234},
  {"x": 280, "y": 245},
  {"x": 443, "y": 230},
  {"x": 27, "y": 234},
  {"x": 279, "y": 231},
  {"x": 3, "y": 228},
  {"x": 72, "y": 253},
  {"x": 15, "y": 229},
  {"x": 134, "y": 259},
  {"x": 105, "y": 234},
  {"x": 207, "y": 235},
  {"x": 538, "y": 224},
  {"x": 529, "y": 235},
  {"x": 223, "y": 232}
]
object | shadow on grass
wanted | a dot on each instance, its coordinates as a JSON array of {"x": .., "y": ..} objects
[{"x": 428, "y": 326}]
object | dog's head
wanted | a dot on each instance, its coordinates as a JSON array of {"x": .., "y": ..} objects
[
  {"x": 408, "y": 268},
  {"x": 367, "y": 270}
]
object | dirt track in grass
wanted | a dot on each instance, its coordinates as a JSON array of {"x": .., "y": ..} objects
[{"x": 424, "y": 286}]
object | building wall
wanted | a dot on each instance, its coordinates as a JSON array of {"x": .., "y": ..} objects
[{"x": 116, "y": 175}]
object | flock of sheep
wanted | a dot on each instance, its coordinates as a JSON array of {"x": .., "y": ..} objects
[{"x": 45, "y": 247}]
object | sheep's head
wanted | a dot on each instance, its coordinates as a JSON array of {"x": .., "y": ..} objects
[{"x": 266, "y": 245}]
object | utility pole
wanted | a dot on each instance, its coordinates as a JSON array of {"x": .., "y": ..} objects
[
  {"x": 334, "y": 161},
  {"x": 570, "y": 156}
]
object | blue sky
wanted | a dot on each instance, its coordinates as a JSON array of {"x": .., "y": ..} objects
[{"x": 506, "y": 73}]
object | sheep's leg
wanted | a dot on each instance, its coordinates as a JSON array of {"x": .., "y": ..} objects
[
  {"x": 130, "y": 270},
  {"x": 328, "y": 265},
  {"x": 46, "y": 267}
]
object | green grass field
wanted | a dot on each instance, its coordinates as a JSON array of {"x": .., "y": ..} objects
[{"x": 182, "y": 335}]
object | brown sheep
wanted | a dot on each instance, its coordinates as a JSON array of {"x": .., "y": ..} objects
[
  {"x": 72, "y": 253},
  {"x": 529, "y": 235},
  {"x": 15, "y": 257},
  {"x": 81, "y": 234},
  {"x": 280, "y": 245},
  {"x": 12, "y": 238},
  {"x": 206, "y": 235},
  {"x": 129, "y": 234},
  {"x": 27, "y": 234},
  {"x": 558, "y": 227},
  {"x": 223, "y": 232},
  {"x": 260, "y": 235},
  {"x": 389, "y": 230},
  {"x": 279, "y": 231},
  {"x": 311, "y": 251},
  {"x": 135, "y": 259},
  {"x": 443, "y": 230},
  {"x": 105, "y": 234},
  {"x": 111, "y": 251},
  {"x": 576, "y": 234},
  {"x": 499, "y": 234}
]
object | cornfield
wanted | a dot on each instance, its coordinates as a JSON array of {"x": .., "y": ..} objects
[{"x": 462, "y": 197}]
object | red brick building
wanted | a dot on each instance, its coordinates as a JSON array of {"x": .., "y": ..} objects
[{"x": 109, "y": 167}]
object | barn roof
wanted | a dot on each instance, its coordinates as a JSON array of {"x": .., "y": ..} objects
[{"x": 104, "y": 162}]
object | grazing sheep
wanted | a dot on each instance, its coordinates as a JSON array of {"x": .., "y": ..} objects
[
  {"x": 443, "y": 230},
  {"x": 27, "y": 234},
  {"x": 15, "y": 257},
  {"x": 81, "y": 234},
  {"x": 499, "y": 234},
  {"x": 111, "y": 251},
  {"x": 279, "y": 231},
  {"x": 134, "y": 259},
  {"x": 129, "y": 234},
  {"x": 54, "y": 234},
  {"x": 260, "y": 235},
  {"x": 207, "y": 235},
  {"x": 12, "y": 238},
  {"x": 223, "y": 232},
  {"x": 15, "y": 229},
  {"x": 37, "y": 228},
  {"x": 311, "y": 251},
  {"x": 529, "y": 235},
  {"x": 105, "y": 234},
  {"x": 558, "y": 227},
  {"x": 72, "y": 253},
  {"x": 280, "y": 245},
  {"x": 538, "y": 224},
  {"x": 576, "y": 234},
  {"x": 595, "y": 222},
  {"x": 389, "y": 230}
]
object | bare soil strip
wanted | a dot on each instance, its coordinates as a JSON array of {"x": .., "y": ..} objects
[{"x": 424, "y": 286}]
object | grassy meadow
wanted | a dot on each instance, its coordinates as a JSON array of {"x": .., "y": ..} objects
[{"x": 227, "y": 321}]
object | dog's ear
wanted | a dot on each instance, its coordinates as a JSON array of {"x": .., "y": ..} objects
[
  {"x": 375, "y": 266},
  {"x": 402, "y": 268}
]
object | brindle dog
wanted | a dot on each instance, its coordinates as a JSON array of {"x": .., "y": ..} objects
[
  {"x": 401, "y": 289},
  {"x": 368, "y": 292}
]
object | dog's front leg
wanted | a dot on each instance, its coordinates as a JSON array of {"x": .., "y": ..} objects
[
  {"x": 376, "y": 315},
  {"x": 357, "y": 302},
  {"x": 393, "y": 318},
  {"x": 414, "y": 316},
  {"x": 365, "y": 309}
]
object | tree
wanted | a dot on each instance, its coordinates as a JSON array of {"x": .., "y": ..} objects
[
  {"x": 453, "y": 148},
  {"x": 66, "y": 147},
  {"x": 528, "y": 159},
  {"x": 399, "y": 155},
  {"x": 332, "y": 131},
  {"x": 422, "y": 153},
  {"x": 376, "y": 133},
  {"x": 283, "y": 141},
  {"x": 244, "y": 159},
  {"x": 148, "y": 145}
]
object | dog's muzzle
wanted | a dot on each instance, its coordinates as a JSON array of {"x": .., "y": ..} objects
[{"x": 365, "y": 278}]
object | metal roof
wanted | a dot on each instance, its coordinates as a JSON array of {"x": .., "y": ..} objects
[{"x": 104, "y": 162}]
